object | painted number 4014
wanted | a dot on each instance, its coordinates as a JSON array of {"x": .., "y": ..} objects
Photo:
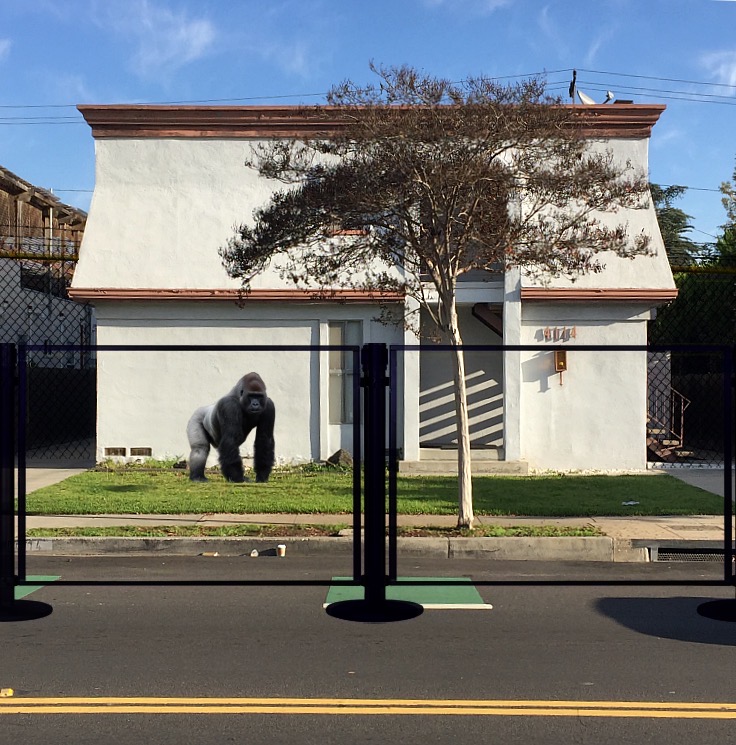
[{"x": 560, "y": 333}]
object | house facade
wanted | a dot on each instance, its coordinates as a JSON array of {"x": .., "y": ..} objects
[{"x": 171, "y": 186}]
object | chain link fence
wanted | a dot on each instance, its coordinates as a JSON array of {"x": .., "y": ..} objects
[
  {"x": 686, "y": 414},
  {"x": 685, "y": 401},
  {"x": 35, "y": 273}
]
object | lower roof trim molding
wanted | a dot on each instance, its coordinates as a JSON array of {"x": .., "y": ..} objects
[
  {"x": 651, "y": 296},
  {"x": 95, "y": 294}
]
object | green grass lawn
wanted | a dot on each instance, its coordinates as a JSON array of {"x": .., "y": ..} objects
[
  {"x": 280, "y": 531},
  {"x": 312, "y": 490}
]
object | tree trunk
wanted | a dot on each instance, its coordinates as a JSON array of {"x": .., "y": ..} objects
[{"x": 465, "y": 515}]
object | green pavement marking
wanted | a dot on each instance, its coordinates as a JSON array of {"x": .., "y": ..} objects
[
  {"x": 39, "y": 581},
  {"x": 432, "y": 593}
]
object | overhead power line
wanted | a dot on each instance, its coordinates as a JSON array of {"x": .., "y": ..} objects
[
  {"x": 557, "y": 85},
  {"x": 652, "y": 77},
  {"x": 690, "y": 188}
]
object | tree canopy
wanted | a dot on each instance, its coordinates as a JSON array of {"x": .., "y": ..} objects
[
  {"x": 438, "y": 178},
  {"x": 417, "y": 180},
  {"x": 674, "y": 225},
  {"x": 728, "y": 189},
  {"x": 705, "y": 309}
]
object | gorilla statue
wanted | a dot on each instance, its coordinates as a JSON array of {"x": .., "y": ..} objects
[{"x": 227, "y": 423}]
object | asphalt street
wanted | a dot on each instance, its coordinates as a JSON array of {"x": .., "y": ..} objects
[{"x": 563, "y": 646}]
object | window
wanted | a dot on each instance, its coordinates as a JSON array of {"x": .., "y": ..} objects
[{"x": 342, "y": 333}]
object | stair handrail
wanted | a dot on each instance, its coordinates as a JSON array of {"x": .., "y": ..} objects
[{"x": 678, "y": 401}]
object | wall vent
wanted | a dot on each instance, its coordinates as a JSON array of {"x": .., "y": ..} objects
[
  {"x": 141, "y": 452},
  {"x": 112, "y": 452}
]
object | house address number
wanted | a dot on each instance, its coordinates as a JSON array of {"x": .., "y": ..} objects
[{"x": 559, "y": 333}]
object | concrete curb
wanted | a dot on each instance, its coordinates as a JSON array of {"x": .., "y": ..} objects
[{"x": 604, "y": 549}]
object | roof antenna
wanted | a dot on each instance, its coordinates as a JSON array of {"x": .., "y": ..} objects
[
  {"x": 588, "y": 101},
  {"x": 585, "y": 99},
  {"x": 571, "y": 89}
]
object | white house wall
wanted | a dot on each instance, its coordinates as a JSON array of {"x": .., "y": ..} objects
[
  {"x": 595, "y": 416},
  {"x": 146, "y": 398},
  {"x": 645, "y": 271},
  {"x": 162, "y": 209}
]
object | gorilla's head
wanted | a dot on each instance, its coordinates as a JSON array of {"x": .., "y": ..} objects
[{"x": 253, "y": 394}]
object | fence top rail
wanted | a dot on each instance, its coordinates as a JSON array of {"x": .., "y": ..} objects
[
  {"x": 90, "y": 348},
  {"x": 547, "y": 347},
  {"x": 723, "y": 349}
]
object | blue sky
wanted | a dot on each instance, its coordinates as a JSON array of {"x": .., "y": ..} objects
[{"x": 55, "y": 54}]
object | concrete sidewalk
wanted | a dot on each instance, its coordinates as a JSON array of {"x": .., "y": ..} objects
[{"x": 698, "y": 527}]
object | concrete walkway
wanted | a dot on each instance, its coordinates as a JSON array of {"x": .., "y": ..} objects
[
  {"x": 683, "y": 527},
  {"x": 710, "y": 479}
]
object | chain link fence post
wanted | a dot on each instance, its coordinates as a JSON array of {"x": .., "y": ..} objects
[{"x": 7, "y": 479}]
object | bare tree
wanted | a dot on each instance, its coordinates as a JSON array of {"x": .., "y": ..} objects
[
  {"x": 728, "y": 189},
  {"x": 426, "y": 179}
]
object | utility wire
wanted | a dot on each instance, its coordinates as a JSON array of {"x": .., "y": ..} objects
[
  {"x": 688, "y": 96},
  {"x": 490, "y": 77},
  {"x": 651, "y": 77}
]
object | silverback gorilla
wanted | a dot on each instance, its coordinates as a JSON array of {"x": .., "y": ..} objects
[{"x": 227, "y": 423}]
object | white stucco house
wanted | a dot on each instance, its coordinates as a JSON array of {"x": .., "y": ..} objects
[{"x": 171, "y": 186}]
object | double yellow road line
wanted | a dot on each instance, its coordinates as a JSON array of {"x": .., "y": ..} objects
[{"x": 362, "y": 707}]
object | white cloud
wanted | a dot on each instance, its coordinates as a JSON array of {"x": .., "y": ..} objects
[
  {"x": 721, "y": 65},
  {"x": 293, "y": 37},
  {"x": 468, "y": 6},
  {"x": 293, "y": 58},
  {"x": 68, "y": 86},
  {"x": 165, "y": 40},
  {"x": 600, "y": 41},
  {"x": 666, "y": 136},
  {"x": 550, "y": 30},
  {"x": 5, "y": 45}
]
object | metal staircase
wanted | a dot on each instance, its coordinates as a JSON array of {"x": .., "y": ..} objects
[{"x": 666, "y": 427}]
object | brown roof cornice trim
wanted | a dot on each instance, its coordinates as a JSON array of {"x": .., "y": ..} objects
[
  {"x": 157, "y": 121},
  {"x": 94, "y": 294},
  {"x": 578, "y": 295}
]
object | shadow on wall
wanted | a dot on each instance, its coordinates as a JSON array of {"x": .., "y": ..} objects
[
  {"x": 485, "y": 406},
  {"x": 540, "y": 367}
]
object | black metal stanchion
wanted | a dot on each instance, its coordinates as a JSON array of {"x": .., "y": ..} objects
[
  {"x": 7, "y": 487},
  {"x": 357, "y": 470},
  {"x": 393, "y": 468},
  {"x": 10, "y": 608},
  {"x": 728, "y": 441},
  {"x": 725, "y": 610},
  {"x": 21, "y": 444},
  {"x": 374, "y": 476},
  {"x": 375, "y": 607}
]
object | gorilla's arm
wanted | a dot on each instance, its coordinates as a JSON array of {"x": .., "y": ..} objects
[
  {"x": 228, "y": 416},
  {"x": 264, "y": 446}
]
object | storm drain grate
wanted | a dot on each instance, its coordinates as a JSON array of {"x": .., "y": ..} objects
[{"x": 671, "y": 553}]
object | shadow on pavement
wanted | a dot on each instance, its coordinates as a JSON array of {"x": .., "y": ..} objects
[{"x": 670, "y": 618}]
